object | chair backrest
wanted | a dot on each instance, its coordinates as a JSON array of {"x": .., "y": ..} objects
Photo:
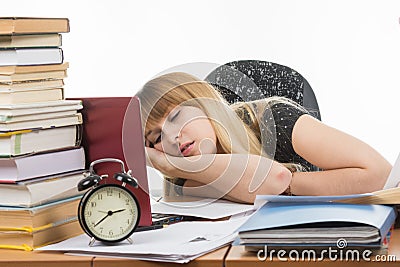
[{"x": 247, "y": 80}]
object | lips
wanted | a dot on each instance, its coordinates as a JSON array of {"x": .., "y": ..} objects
[{"x": 186, "y": 148}]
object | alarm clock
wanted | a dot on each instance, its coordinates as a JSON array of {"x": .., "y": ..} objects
[{"x": 109, "y": 213}]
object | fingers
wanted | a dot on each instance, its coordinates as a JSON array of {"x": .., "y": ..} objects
[{"x": 148, "y": 156}]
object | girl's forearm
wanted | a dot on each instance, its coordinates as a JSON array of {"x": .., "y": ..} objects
[
  {"x": 335, "y": 182},
  {"x": 240, "y": 176}
]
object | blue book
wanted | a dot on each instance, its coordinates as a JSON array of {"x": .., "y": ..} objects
[{"x": 317, "y": 224}]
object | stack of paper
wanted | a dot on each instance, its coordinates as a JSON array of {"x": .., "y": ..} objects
[
  {"x": 177, "y": 243},
  {"x": 203, "y": 208}
]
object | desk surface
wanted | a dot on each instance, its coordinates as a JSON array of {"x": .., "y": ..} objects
[
  {"x": 16, "y": 258},
  {"x": 234, "y": 256}
]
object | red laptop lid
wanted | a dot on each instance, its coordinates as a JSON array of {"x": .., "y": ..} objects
[{"x": 103, "y": 134}]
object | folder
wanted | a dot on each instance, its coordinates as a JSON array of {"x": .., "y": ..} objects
[{"x": 291, "y": 216}]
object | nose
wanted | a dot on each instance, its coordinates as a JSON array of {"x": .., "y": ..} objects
[
  {"x": 172, "y": 135},
  {"x": 170, "y": 142}
]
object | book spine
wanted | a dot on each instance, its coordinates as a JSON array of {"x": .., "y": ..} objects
[
  {"x": 7, "y": 26},
  {"x": 31, "y": 230},
  {"x": 31, "y": 56},
  {"x": 5, "y": 41}
]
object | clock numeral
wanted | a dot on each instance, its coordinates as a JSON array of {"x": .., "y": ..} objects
[
  {"x": 109, "y": 192},
  {"x": 119, "y": 194},
  {"x": 128, "y": 221},
  {"x": 111, "y": 233},
  {"x": 122, "y": 230},
  {"x": 100, "y": 196},
  {"x": 88, "y": 213},
  {"x": 101, "y": 230},
  {"x": 127, "y": 202},
  {"x": 131, "y": 212},
  {"x": 93, "y": 204}
]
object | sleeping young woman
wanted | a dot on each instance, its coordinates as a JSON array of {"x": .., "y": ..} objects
[{"x": 208, "y": 148}]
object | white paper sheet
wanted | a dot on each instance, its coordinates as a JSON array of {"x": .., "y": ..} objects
[
  {"x": 394, "y": 176},
  {"x": 205, "y": 208},
  {"x": 180, "y": 242}
]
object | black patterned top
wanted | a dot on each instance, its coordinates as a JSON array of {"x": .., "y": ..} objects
[{"x": 276, "y": 123}]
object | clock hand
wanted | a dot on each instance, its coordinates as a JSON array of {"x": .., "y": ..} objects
[
  {"x": 105, "y": 217},
  {"x": 109, "y": 213},
  {"x": 118, "y": 211},
  {"x": 112, "y": 212}
]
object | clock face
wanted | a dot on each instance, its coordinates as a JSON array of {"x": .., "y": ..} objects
[{"x": 109, "y": 213}]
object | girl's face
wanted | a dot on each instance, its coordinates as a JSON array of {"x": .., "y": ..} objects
[{"x": 184, "y": 131}]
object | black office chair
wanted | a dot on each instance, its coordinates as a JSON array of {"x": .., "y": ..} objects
[{"x": 247, "y": 80}]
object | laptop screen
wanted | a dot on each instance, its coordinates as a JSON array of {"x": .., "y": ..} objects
[{"x": 106, "y": 135}]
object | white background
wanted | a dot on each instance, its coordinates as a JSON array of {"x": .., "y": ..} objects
[{"x": 348, "y": 50}]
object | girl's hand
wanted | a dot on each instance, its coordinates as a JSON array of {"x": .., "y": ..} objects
[
  {"x": 158, "y": 160},
  {"x": 172, "y": 166}
]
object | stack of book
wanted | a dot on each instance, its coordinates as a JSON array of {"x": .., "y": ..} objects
[{"x": 41, "y": 160}]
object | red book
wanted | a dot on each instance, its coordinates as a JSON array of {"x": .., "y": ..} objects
[{"x": 103, "y": 119}]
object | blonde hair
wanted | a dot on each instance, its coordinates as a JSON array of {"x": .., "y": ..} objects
[{"x": 161, "y": 94}]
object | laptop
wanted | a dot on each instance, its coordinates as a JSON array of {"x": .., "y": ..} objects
[{"x": 103, "y": 136}]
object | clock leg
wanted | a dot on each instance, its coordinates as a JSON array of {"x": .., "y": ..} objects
[
  {"x": 130, "y": 240},
  {"x": 92, "y": 240}
]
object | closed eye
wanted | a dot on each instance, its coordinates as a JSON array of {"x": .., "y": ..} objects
[
  {"x": 158, "y": 140},
  {"x": 151, "y": 144},
  {"x": 147, "y": 143},
  {"x": 153, "y": 135}
]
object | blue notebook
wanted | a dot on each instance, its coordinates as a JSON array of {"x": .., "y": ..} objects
[{"x": 278, "y": 215}]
